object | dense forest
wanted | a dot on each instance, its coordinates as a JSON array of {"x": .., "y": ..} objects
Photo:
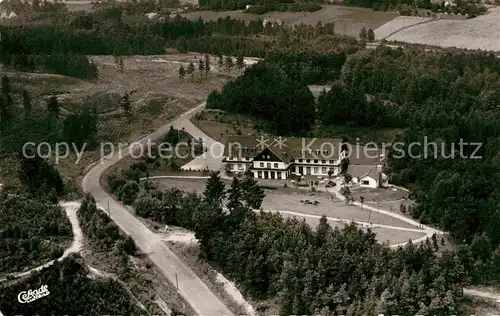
[
  {"x": 59, "y": 48},
  {"x": 72, "y": 292},
  {"x": 276, "y": 87},
  {"x": 434, "y": 97},
  {"x": 72, "y": 65},
  {"x": 32, "y": 232},
  {"x": 309, "y": 272},
  {"x": 282, "y": 7},
  {"x": 265, "y": 91}
]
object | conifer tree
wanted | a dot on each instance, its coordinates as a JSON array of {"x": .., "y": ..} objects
[
  {"x": 207, "y": 65},
  {"x": 190, "y": 70},
  {"x": 26, "y": 104}
]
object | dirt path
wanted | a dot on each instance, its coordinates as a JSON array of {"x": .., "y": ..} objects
[{"x": 76, "y": 245}]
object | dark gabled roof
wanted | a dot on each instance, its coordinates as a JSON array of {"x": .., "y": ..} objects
[
  {"x": 287, "y": 148},
  {"x": 283, "y": 156},
  {"x": 246, "y": 146},
  {"x": 359, "y": 171},
  {"x": 361, "y": 155},
  {"x": 315, "y": 148}
]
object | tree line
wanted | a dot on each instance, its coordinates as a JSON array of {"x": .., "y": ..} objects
[
  {"x": 263, "y": 6},
  {"x": 61, "y": 45},
  {"x": 71, "y": 65},
  {"x": 271, "y": 90},
  {"x": 320, "y": 271},
  {"x": 104, "y": 234}
]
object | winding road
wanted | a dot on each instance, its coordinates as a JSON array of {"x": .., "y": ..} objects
[{"x": 191, "y": 287}]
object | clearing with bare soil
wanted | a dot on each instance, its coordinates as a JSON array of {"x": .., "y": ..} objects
[{"x": 397, "y": 24}]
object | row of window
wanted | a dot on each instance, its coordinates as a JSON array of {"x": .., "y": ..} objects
[
  {"x": 239, "y": 166},
  {"x": 268, "y": 165},
  {"x": 271, "y": 175},
  {"x": 308, "y": 170},
  {"x": 331, "y": 162},
  {"x": 240, "y": 158},
  {"x": 316, "y": 151}
]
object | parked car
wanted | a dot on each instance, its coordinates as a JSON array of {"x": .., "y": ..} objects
[{"x": 330, "y": 184}]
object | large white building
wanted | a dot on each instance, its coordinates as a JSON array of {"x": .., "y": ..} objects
[{"x": 278, "y": 158}]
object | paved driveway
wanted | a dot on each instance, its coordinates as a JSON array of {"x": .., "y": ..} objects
[{"x": 212, "y": 158}]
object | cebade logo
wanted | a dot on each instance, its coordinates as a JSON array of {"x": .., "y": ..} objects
[{"x": 32, "y": 295}]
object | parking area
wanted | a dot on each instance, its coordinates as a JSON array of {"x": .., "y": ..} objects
[{"x": 289, "y": 200}]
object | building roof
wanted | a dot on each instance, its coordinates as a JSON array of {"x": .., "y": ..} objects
[
  {"x": 358, "y": 171},
  {"x": 362, "y": 155},
  {"x": 361, "y": 171},
  {"x": 286, "y": 147}
]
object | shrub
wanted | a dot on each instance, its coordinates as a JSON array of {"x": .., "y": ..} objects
[
  {"x": 128, "y": 192},
  {"x": 115, "y": 182}
]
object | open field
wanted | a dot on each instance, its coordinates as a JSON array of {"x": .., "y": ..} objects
[
  {"x": 348, "y": 20},
  {"x": 380, "y": 195},
  {"x": 75, "y": 5},
  {"x": 157, "y": 96},
  {"x": 287, "y": 201},
  {"x": 396, "y": 24},
  {"x": 478, "y": 33}
]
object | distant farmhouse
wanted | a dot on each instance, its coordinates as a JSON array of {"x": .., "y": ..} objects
[{"x": 279, "y": 158}]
